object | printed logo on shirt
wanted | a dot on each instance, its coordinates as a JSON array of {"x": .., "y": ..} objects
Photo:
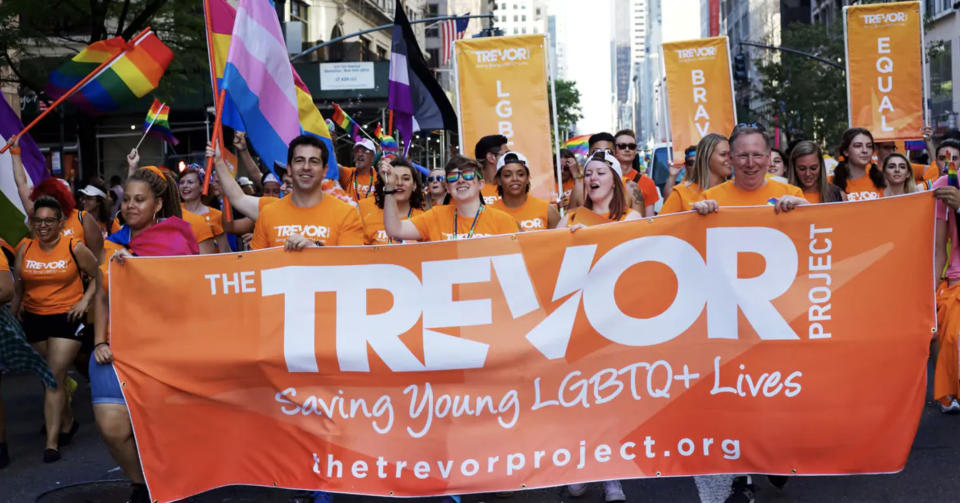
[
  {"x": 308, "y": 231},
  {"x": 532, "y": 224},
  {"x": 382, "y": 236},
  {"x": 466, "y": 235},
  {"x": 56, "y": 265},
  {"x": 67, "y": 233},
  {"x": 862, "y": 196},
  {"x": 491, "y": 199}
]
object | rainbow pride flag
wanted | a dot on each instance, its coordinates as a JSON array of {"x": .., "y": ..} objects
[
  {"x": 157, "y": 122},
  {"x": 578, "y": 144},
  {"x": 345, "y": 122},
  {"x": 132, "y": 75}
]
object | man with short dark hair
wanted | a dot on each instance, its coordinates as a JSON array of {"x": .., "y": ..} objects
[
  {"x": 640, "y": 190},
  {"x": 308, "y": 217},
  {"x": 600, "y": 141},
  {"x": 487, "y": 151}
]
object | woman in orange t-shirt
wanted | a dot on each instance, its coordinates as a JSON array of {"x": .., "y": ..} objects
[
  {"x": 409, "y": 198},
  {"x": 806, "y": 170},
  {"x": 513, "y": 186},
  {"x": 604, "y": 200},
  {"x": 711, "y": 167},
  {"x": 465, "y": 217},
  {"x": 205, "y": 221},
  {"x": 898, "y": 175},
  {"x": 856, "y": 174},
  {"x": 436, "y": 188},
  {"x": 53, "y": 301}
]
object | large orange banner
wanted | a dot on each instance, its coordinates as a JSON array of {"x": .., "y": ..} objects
[
  {"x": 502, "y": 89},
  {"x": 884, "y": 69},
  {"x": 740, "y": 342},
  {"x": 699, "y": 91}
]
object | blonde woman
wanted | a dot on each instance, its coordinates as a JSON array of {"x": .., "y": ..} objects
[{"x": 710, "y": 168}]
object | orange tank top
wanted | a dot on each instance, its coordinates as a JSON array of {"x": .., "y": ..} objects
[{"x": 51, "y": 279}]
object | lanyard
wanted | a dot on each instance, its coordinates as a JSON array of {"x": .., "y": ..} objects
[
  {"x": 472, "y": 226},
  {"x": 409, "y": 212},
  {"x": 356, "y": 190}
]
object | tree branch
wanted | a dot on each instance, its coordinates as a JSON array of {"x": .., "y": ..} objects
[
  {"x": 123, "y": 16},
  {"x": 141, "y": 20}
]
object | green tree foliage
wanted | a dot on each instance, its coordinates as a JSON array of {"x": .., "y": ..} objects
[
  {"x": 36, "y": 33},
  {"x": 568, "y": 103},
  {"x": 807, "y": 98}
]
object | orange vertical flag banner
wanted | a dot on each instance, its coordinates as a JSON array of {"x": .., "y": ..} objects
[
  {"x": 699, "y": 91},
  {"x": 739, "y": 342},
  {"x": 502, "y": 89},
  {"x": 884, "y": 69}
]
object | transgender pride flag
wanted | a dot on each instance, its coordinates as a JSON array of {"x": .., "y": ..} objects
[{"x": 260, "y": 82}]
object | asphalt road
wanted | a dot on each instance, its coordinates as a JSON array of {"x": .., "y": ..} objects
[{"x": 931, "y": 473}]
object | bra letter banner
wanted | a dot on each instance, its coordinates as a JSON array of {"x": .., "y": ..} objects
[
  {"x": 739, "y": 342},
  {"x": 884, "y": 69},
  {"x": 699, "y": 91},
  {"x": 502, "y": 89}
]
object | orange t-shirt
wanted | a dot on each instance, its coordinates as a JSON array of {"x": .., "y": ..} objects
[
  {"x": 812, "y": 197},
  {"x": 489, "y": 193},
  {"x": 532, "y": 215},
  {"x": 264, "y": 201},
  {"x": 568, "y": 188},
  {"x": 206, "y": 226},
  {"x": 588, "y": 217},
  {"x": 930, "y": 172},
  {"x": 437, "y": 224},
  {"x": 647, "y": 188},
  {"x": 728, "y": 194},
  {"x": 4, "y": 263},
  {"x": 331, "y": 222},
  {"x": 51, "y": 280},
  {"x": 681, "y": 198},
  {"x": 371, "y": 216},
  {"x": 862, "y": 189},
  {"x": 73, "y": 227},
  {"x": 357, "y": 187}
]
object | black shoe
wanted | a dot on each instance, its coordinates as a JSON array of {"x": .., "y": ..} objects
[
  {"x": 778, "y": 481},
  {"x": 742, "y": 492},
  {"x": 139, "y": 494},
  {"x": 4, "y": 456},
  {"x": 66, "y": 437},
  {"x": 51, "y": 455}
]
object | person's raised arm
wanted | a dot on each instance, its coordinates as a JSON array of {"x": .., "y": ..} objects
[
  {"x": 133, "y": 162},
  {"x": 20, "y": 177},
  {"x": 246, "y": 160},
  {"x": 673, "y": 171},
  {"x": 396, "y": 228},
  {"x": 246, "y": 204}
]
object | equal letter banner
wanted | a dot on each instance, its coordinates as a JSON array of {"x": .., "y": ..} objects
[
  {"x": 884, "y": 69},
  {"x": 739, "y": 342},
  {"x": 699, "y": 91},
  {"x": 502, "y": 89}
]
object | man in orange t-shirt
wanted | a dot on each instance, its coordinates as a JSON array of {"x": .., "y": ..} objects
[
  {"x": 358, "y": 182},
  {"x": 487, "y": 151},
  {"x": 308, "y": 217},
  {"x": 641, "y": 192},
  {"x": 750, "y": 156}
]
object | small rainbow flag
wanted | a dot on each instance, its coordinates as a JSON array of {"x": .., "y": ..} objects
[
  {"x": 157, "y": 122},
  {"x": 345, "y": 122},
  {"x": 389, "y": 145},
  {"x": 133, "y": 75},
  {"x": 578, "y": 144},
  {"x": 378, "y": 133},
  {"x": 952, "y": 175}
]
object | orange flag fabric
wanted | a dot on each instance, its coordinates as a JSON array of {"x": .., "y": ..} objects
[
  {"x": 739, "y": 342},
  {"x": 699, "y": 91},
  {"x": 502, "y": 89},
  {"x": 884, "y": 69}
]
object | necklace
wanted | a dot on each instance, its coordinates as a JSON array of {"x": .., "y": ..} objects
[
  {"x": 356, "y": 189},
  {"x": 472, "y": 226}
]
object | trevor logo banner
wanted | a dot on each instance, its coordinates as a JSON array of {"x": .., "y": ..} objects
[
  {"x": 502, "y": 89},
  {"x": 699, "y": 91},
  {"x": 884, "y": 69},
  {"x": 741, "y": 342}
]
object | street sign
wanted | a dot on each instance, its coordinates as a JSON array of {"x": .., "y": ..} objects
[{"x": 349, "y": 75}]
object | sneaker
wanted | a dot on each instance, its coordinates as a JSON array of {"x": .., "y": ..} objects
[
  {"x": 612, "y": 491},
  {"x": 4, "y": 455},
  {"x": 742, "y": 492},
  {"x": 953, "y": 408},
  {"x": 51, "y": 455},
  {"x": 577, "y": 490}
]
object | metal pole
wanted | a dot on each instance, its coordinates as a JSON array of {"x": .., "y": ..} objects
[
  {"x": 794, "y": 51},
  {"x": 556, "y": 113},
  {"x": 381, "y": 27}
]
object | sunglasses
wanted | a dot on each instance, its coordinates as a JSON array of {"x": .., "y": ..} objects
[
  {"x": 627, "y": 146},
  {"x": 435, "y": 178},
  {"x": 39, "y": 222},
  {"x": 467, "y": 176}
]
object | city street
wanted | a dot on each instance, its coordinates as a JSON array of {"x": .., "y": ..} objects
[{"x": 930, "y": 474}]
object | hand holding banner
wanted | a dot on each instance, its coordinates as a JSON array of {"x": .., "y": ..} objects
[
  {"x": 740, "y": 342},
  {"x": 699, "y": 91},
  {"x": 884, "y": 69}
]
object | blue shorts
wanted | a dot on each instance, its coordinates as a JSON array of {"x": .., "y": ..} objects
[{"x": 104, "y": 384}]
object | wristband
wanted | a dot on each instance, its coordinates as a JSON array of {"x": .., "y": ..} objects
[
  {"x": 15, "y": 150},
  {"x": 100, "y": 344},
  {"x": 388, "y": 192}
]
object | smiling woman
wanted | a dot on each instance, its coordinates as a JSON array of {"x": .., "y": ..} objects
[
  {"x": 205, "y": 221},
  {"x": 513, "y": 186}
]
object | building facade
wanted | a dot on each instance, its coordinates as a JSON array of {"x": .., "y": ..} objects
[{"x": 943, "y": 63}]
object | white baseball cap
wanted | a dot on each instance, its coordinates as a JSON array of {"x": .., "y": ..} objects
[
  {"x": 92, "y": 191},
  {"x": 509, "y": 157},
  {"x": 366, "y": 143},
  {"x": 244, "y": 181},
  {"x": 270, "y": 177},
  {"x": 606, "y": 157}
]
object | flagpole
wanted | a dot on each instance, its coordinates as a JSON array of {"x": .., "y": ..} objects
[
  {"x": 215, "y": 139},
  {"x": 148, "y": 128},
  {"x": 13, "y": 139}
]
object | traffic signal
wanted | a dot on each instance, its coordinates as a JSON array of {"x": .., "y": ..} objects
[{"x": 740, "y": 68}]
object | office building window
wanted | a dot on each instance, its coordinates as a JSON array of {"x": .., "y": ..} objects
[
  {"x": 298, "y": 10},
  {"x": 941, "y": 82}
]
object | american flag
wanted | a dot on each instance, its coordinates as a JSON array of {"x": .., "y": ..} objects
[{"x": 453, "y": 29}]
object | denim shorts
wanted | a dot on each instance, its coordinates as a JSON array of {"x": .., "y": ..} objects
[{"x": 104, "y": 384}]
